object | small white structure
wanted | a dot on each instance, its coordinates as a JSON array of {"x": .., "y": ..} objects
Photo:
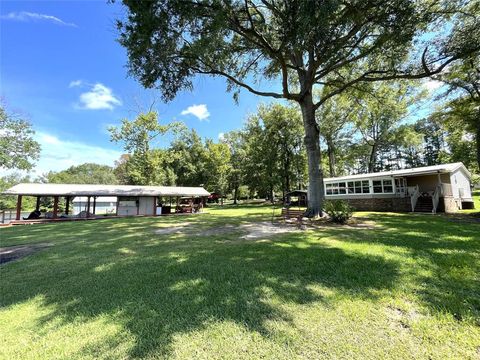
[
  {"x": 443, "y": 187},
  {"x": 104, "y": 204}
]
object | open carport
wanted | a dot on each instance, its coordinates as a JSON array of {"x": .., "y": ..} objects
[{"x": 132, "y": 200}]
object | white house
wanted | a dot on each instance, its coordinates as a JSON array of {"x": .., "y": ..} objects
[{"x": 443, "y": 187}]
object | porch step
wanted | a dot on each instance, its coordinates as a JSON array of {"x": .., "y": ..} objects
[{"x": 424, "y": 204}]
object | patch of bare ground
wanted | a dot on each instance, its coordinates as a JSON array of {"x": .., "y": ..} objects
[
  {"x": 402, "y": 319},
  {"x": 254, "y": 230},
  {"x": 264, "y": 229},
  {"x": 179, "y": 228},
  {"x": 12, "y": 253}
]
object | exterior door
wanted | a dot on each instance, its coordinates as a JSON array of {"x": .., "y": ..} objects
[{"x": 401, "y": 187}]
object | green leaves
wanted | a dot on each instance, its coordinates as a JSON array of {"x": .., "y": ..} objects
[
  {"x": 88, "y": 173},
  {"x": 18, "y": 149}
]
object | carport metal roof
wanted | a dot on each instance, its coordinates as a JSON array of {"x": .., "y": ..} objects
[{"x": 35, "y": 189}]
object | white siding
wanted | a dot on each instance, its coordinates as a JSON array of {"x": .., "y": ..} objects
[{"x": 460, "y": 182}]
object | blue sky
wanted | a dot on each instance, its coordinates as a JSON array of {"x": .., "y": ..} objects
[{"x": 61, "y": 66}]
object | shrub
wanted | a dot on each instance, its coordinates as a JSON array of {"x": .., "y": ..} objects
[{"x": 338, "y": 210}]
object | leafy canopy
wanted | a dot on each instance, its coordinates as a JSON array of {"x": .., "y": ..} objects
[
  {"x": 18, "y": 149},
  {"x": 300, "y": 43}
]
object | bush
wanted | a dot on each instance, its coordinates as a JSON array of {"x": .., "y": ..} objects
[{"x": 338, "y": 210}]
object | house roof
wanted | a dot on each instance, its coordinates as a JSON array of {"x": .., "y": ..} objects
[
  {"x": 425, "y": 170},
  {"x": 34, "y": 189}
]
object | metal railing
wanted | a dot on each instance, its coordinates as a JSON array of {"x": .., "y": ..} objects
[{"x": 414, "y": 197}]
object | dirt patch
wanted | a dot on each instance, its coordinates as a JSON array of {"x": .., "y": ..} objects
[
  {"x": 12, "y": 253},
  {"x": 401, "y": 318},
  {"x": 179, "y": 228},
  {"x": 263, "y": 229},
  {"x": 252, "y": 231},
  {"x": 266, "y": 229}
]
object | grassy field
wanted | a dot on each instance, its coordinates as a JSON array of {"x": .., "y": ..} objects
[{"x": 408, "y": 287}]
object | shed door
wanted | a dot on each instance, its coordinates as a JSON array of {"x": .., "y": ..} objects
[{"x": 145, "y": 206}]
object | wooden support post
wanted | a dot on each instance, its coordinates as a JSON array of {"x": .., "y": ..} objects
[
  {"x": 37, "y": 205},
  {"x": 155, "y": 201},
  {"x": 88, "y": 206},
  {"x": 67, "y": 205},
  {"x": 19, "y": 207},
  {"x": 116, "y": 208},
  {"x": 94, "y": 204},
  {"x": 55, "y": 207}
]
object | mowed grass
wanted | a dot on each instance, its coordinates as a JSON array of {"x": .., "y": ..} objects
[{"x": 113, "y": 289}]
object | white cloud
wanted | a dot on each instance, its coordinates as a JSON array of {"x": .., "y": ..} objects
[
  {"x": 199, "y": 111},
  {"x": 59, "y": 154},
  {"x": 75, "y": 83},
  {"x": 432, "y": 85},
  {"x": 48, "y": 139},
  {"x": 99, "y": 97},
  {"x": 221, "y": 136},
  {"x": 26, "y": 16}
]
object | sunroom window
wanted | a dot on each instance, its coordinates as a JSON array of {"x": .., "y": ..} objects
[
  {"x": 382, "y": 186},
  {"x": 348, "y": 187}
]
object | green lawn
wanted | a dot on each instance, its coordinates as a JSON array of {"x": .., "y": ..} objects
[{"x": 408, "y": 288}]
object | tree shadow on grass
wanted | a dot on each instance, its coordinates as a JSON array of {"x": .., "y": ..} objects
[
  {"x": 449, "y": 252},
  {"x": 157, "y": 292}
]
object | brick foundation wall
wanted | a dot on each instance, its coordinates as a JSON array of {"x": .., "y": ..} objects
[
  {"x": 381, "y": 204},
  {"x": 451, "y": 204}
]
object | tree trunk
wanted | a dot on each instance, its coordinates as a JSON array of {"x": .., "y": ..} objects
[
  {"x": 235, "y": 195},
  {"x": 331, "y": 157},
  {"x": 373, "y": 159},
  {"x": 312, "y": 144},
  {"x": 287, "y": 173},
  {"x": 477, "y": 140}
]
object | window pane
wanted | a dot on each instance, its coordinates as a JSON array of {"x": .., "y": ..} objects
[
  {"x": 377, "y": 182},
  {"x": 342, "y": 184},
  {"x": 358, "y": 187},
  {"x": 351, "y": 188},
  {"x": 335, "y": 191},
  {"x": 387, "y": 182},
  {"x": 365, "y": 186},
  {"x": 342, "y": 191},
  {"x": 329, "y": 191},
  {"x": 388, "y": 189}
]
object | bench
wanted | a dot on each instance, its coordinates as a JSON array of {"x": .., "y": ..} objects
[{"x": 290, "y": 213}]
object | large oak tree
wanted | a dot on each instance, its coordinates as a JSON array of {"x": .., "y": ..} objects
[{"x": 298, "y": 45}]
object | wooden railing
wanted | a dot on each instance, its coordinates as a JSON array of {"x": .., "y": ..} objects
[
  {"x": 414, "y": 197},
  {"x": 436, "y": 197}
]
